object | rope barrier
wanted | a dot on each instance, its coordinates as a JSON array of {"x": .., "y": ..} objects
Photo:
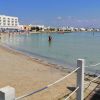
[
  {"x": 63, "y": 77},
  {"x": 93, "y": 80},
  {"x": 29, "y": 94},
  {"x": 93, "y": 65},
  {"x": 78, "y": 87},
  {"x": 44, "y": 88},
  {"x": 72, "y": 93}
]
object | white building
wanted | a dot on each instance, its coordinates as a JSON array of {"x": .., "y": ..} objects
[
  {"x": 82, "y": 29},
  {"x": 20, "y": 27},
  {"x": 40, "y": 26},
  {"x": 9, "y": 22}
]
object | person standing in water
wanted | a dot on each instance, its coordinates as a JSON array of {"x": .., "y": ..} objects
[{"x": 49, "y": 38}]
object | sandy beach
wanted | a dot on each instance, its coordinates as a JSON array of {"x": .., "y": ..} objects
[
  {"x": 26, "y": 74},
  {"x": 49, "y": 50}
]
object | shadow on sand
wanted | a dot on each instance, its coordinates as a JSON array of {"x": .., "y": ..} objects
[{"x": 96, "y": 96}]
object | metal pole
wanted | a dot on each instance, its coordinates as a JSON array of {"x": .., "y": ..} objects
[{"x": 80, "y": 79}]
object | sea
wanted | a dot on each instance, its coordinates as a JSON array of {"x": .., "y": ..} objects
[{"x": 64, "y": 48}]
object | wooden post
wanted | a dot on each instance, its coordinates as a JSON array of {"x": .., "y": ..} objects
[{"x": 80, "y": 79}]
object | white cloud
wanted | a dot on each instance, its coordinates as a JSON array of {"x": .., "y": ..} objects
[
  {"x": 73, "y": 21},
  {"x": 59, "y": 17},
  {"x": 79, "y": 20}
]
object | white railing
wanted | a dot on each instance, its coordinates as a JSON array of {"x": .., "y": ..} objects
[{"x": 10, "y": 92}]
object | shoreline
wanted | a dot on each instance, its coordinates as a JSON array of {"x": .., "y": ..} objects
[
  {"x": 47, "y": 61},
  {"x": 31, "y": 77},
  {"x": 44, "y": 32},
  {"x": 37, "y": 59},
  {"x": 40, "y": 58},
  {"x": 53, "y": 73},
  {"x": 32, "y": 74},
  {"x": 41, "y": 61}
]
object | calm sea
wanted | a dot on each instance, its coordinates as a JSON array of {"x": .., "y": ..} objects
[{"x": 64, "y": 48}]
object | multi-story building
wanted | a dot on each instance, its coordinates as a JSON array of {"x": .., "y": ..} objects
[{"x": 9, "y": 22}]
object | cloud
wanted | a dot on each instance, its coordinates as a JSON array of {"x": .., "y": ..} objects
[
  {"x": 79, "y": 20},
  {"x": 73, "y": 21},
  {"x": 59, "y": 18}
]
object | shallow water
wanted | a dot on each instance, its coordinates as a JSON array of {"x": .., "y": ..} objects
[{"x": 63, "y": 49}]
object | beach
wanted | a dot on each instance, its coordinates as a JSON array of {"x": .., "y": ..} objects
[
  {"x": 28, "y": 74},
  {"x": 25, "y": 74},
  {"x": 49, "y": 50}
]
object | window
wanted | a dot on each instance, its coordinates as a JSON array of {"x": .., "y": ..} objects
[
  {"x": 4, "y": 20},
  {"x": 15, "y": 21},
  {"x": 3, "y": 17},
  {"x": 15, "y": 24},
  {"x": 4, "y": 24}
]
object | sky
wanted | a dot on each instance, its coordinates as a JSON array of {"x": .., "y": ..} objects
[{"x": 77, "y": 13}]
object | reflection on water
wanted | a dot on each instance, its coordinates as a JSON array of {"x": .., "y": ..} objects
[{"x": 50, "y": 43}]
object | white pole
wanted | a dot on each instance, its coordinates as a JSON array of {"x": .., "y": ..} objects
[
  {"x": 7, "y": 93},
  {"x": 80, "y": 79}
]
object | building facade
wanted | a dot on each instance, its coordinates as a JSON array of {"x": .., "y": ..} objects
[
  {"x": 9, "y": 22},
  {"x": 27, "y": 27}
]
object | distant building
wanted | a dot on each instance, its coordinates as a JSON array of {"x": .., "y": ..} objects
[
  {"x": 41, "y": 27},
  {"x": 82, "y": 29},
  {"x": 89, "y": 29},
  {"x": 71, "y": 28},
  {"x": 76, "y": 29},
  {"x": 9, "y": 22},
  {"x": 98, "y": 30},
  {"x": 21, "y": 27},
  {"x": 27, "y": 27}
]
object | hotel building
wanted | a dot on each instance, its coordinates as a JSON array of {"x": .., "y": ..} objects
[{"x": 9, "y": 22}]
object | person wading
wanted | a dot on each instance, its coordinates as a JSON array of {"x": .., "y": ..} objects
[{"x": 49, "y": 38}]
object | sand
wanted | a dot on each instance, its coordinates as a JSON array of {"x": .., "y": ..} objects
[{"x": 26, "y": 74}]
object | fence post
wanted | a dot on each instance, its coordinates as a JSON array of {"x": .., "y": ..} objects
[
  {"x": 80, "y": 79},
  {"x": 7, "y": 93}
]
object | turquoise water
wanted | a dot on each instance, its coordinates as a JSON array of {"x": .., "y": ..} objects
[{"x": 64, "y": 48}]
